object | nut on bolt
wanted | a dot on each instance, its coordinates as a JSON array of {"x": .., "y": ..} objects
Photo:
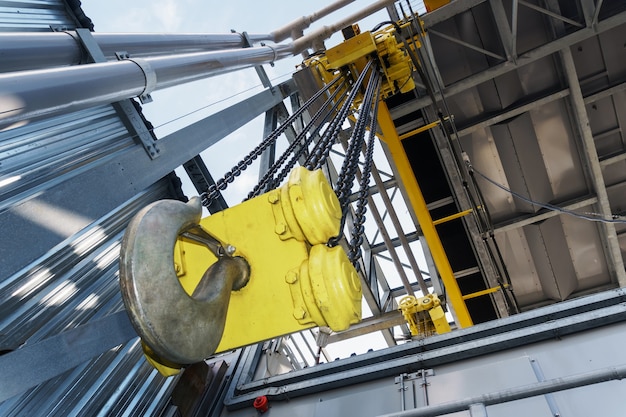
[
  {"x": 299, "y": 313},
  {"x": 291, "y": 277},
  {"x": 280, "y": 228},
  {"x": 273, "y": 197}
]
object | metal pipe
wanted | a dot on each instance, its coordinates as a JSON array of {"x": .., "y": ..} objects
[
  {"x": 294, "y": 29},
  {"x": 513, "y": 394},
  {"x": 25, "y": 51},
  {"x": 325, "y": 32},
  {"x": 26, "y": 95}
]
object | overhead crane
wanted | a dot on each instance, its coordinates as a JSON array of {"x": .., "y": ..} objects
[
  {"x": 327, "y": 287},
  {"x": 191, "y": 284},
  {"x": 310, "y": 221},
  {"x": 178, "y": 295}
]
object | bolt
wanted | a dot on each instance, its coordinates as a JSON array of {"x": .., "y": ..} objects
[
  {"x": 230, "y": 250},
  {"x": 280, "y": 228},
  {"x": 273, "y": 197},
  {"x": 299, "y": 313},
  {"x": 291, "y": 277},
  {"x": 177, "y": 267}
]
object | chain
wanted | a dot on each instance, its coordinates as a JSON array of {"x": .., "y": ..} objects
[
  {"x": 355, "y": 144},
  {"x": 295, "y": 157},
  {"x": 319, "y": 155},
  {"x": 220, "y": 185},
  {"x": 349, "y": 168},
  {"x": 361, "y": 206},
  {"x": 268, "y": 177}
]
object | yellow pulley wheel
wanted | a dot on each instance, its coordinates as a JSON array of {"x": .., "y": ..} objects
[
  {"x": 314, "y": 204},
  {"x": 336, "y": 286}
]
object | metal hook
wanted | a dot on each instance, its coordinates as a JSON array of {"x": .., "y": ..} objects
[{"x": 178, "y": 328}]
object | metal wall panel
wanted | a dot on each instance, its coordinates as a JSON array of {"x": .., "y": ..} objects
[
  {"x": 491, "y": 372},
  {"x": 34, "y": 15},
  {"x": 37, "y": 161},
  {"x": 61, "y": 271}
]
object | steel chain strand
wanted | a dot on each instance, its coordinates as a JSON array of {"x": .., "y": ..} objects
[
  {"x": 361, "y": 207},
  {"x": 333, "y": 130},
  {"x": 355, "y": 144},
  {"x": 326, "y": 140},
  {"x": 351, "y": 160},
  {"x": 268, "y": 176},
  {"x": 212, "y": 192},
  {"x": 308, "y": 141},
  {"x": 318, "y": 158}
]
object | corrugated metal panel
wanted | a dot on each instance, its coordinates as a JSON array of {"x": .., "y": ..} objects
[
  {"x": 33, "y": 15},
  {"x": 74, "y": 283},
  {"x": 70, "y": 274},
  {"x": 38, "y": 156}
]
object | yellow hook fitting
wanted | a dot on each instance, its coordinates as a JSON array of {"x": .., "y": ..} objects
[
  {"x": 306, "y": 208},
  {"x": 296, "y": 282}
]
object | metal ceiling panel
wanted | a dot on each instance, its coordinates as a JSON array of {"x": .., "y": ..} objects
[
  {"x": 583, "y": 242},
  {"x": 614, "y": 53},
  {"x": 521, "y": 159},
  {"x": 605, "y": 128},
  {"x": 520, "y": 265},
  {"x": 558, "y": 151},
  {"x": 519, "y": 127}
]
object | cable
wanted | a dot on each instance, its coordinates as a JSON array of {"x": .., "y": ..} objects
[
  {"x": 215, "y": 102},
  {"x": 594, "y": 217}
]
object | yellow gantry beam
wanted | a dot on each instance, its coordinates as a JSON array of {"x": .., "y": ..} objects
[
  {"x": 452, "y": 217},
  {"x": 416, "y": 198},
  {"x": 418, "y": 130},
  {"x": 483, "y": 292}
]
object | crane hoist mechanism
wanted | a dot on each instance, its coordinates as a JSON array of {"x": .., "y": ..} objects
[{"x": 276, "y": 263}]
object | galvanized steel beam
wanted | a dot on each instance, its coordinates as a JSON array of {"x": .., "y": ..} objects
[
  {"x": 590, "y": 153},
  {"x": 548, "y": 323},
  {"x": 24, "y": 51},
  {"x": 526, "y": 58},
  {"x": 33, "y": 364}
]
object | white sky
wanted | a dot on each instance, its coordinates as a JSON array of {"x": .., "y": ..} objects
[{"x": 179, "y": 16}]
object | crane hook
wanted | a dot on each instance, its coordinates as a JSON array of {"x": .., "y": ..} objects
[{"x": 178, "y": 329}]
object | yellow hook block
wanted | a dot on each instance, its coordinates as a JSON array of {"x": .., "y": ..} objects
[{"x": 296, "y": 281}]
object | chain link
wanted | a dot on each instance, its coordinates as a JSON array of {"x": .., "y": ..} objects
[
  {"x": 213, "y": 191},
  {"x": 318, "y": 158},
  {"x": 349, "y": 168},
  {"x": 268, "y": 178},
  {"x": 351, "y": 160},
  {"x": 358, "y": 229}
]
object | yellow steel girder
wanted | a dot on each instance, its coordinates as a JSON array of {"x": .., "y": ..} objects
[{"x": 416, "y": 198}]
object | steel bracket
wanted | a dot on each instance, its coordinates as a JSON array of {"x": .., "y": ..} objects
[
  {"x": 422, "y": 373},
  {"x": 265, "y": 80},
  {"x": 125, "y": 109},
  {"x": 148, "y": 72}
]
